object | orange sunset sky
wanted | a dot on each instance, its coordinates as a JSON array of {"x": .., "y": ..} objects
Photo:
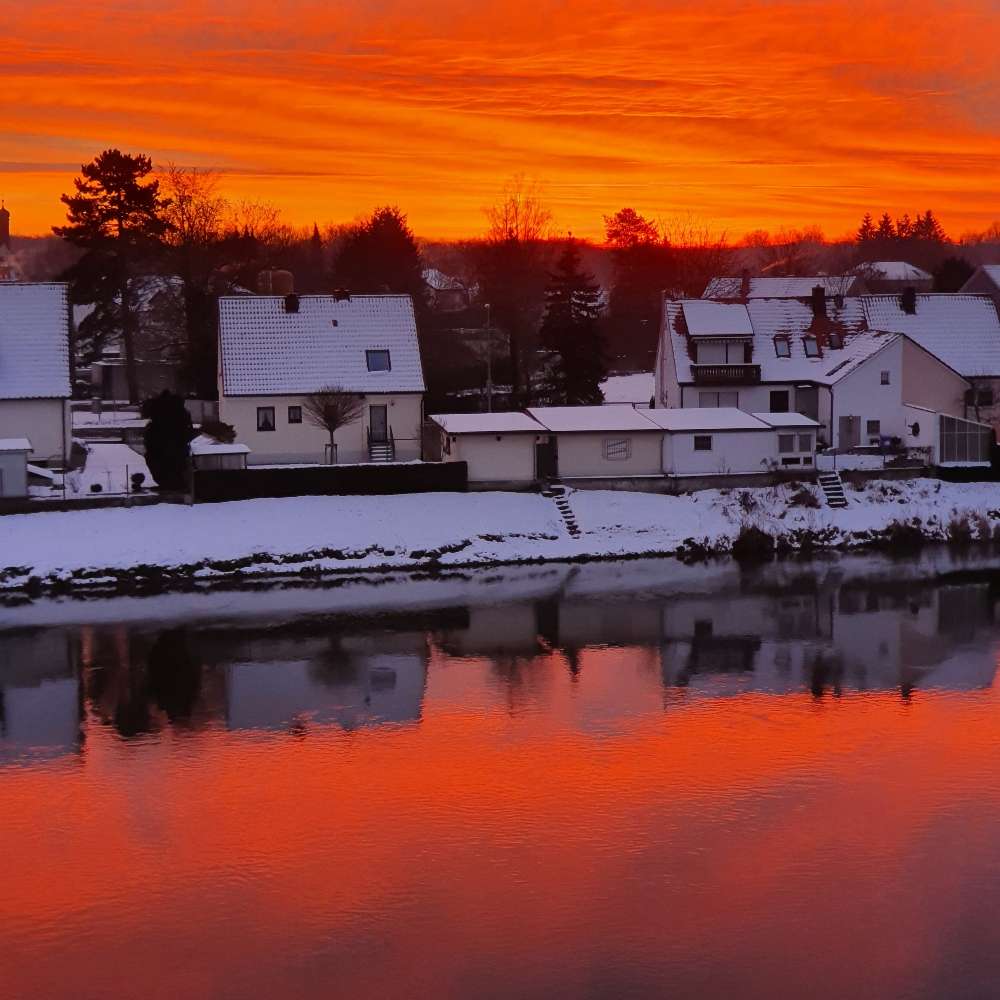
[{"x": 742, "y": 115}]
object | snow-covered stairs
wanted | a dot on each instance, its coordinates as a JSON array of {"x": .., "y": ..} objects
[
  {"x": 558, "y": 494},
  {"x": 383, "y": 452},
  {"x": 833, "y": 489}
]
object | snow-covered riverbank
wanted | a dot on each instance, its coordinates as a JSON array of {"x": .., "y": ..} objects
[{"x": 166, "y": 545}]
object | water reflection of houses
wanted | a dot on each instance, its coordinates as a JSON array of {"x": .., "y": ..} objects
[
  {"x": 857, "y": 636},
  {"x": 40, "y": 709},
  {"x": 291, "y": 681}
]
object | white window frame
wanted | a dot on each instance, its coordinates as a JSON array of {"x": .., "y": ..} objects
[
  {"x": 785, "y": 350},
  {"x": 811, "y": 346},
  {"x": 703, "y": 437},
  {"x": 378, "y": 350},
  {"x": 885, "y": 377},
  {"x": 274, "y": 420},
  {"x": 786, "y": 444},
  {"x": 805, "y": 442}
]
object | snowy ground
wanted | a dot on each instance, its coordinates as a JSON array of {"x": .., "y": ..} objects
[{"x": 330, "y": 534}]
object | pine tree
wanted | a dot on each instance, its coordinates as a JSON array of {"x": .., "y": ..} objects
[
  {"x": 904, "y": 227},
  {"x": 886, "y": 230},
  {"x": 928, "y": 228},
  {"x": 571, "y": 331},
  {"x": 116, "y": 217},
  {"x": 166, "y": 438},
  {"x": 866, "y": 231}
]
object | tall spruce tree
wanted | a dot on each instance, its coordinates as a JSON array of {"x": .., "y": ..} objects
[
  {"x": 117, "y": 217},
  {"x": 571, "y": 331}
]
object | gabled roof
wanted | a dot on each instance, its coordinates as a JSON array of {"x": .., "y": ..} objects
[
  {"x": 989, "y": 271},
  {"x": 591, "y": 418},
  {"x": 787, "y": 420},
  {"x": 894, "y": 270},
  {"x": 767, "y": 287},
  {"x": 963, "y": 331},
  {"x": 486, "y": 423},
  {"x": 34, "y": 341},
  {"x": 716, "y": 319},
  {"x": 791, "y": 319},
  {"x": 266, "y": 350}
]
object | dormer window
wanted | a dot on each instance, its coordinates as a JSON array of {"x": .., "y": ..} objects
[
  {"x": 836, "y": 341},
  {"x": 378, "y": 361},
  {"x": 811, "y": 344},
  {"x": 782, "y": 347}
]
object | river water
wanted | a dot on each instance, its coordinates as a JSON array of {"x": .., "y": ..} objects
[{"x": 620, "y": 780}]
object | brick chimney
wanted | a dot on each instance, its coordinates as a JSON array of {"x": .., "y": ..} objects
[
  {"x": 745, "y": 284},
  {"x": 908, "y": 301},
  {"x": 819, "y": 302},
  {"x": 4, "y": 226}
]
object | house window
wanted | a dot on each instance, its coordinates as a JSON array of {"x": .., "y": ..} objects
[
  {"x": 805, "y": 442},
  {"x": 703, "y": 442},
  {"x": 617, "y": 449},
  {"x": 873, "y": 428},
  {"x": 265, "y": 418},
  {"x": 835, "y": 341},
  {"x": 779, "y": 401},
  {"x": 378, "y": 361},
  {"x": 782, "y": 347},
  {"x": 295, "y": 414},
  {"x": 716, "y": 399},
  {"x": 811, "y": 345},
  {"x": 885, "y": 378},
  {"x": 791, "y": 461},
  {"x": 786, "y": 443}
]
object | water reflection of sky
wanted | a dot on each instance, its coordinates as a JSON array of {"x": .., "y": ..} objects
[{"x": 601, "y": 783}]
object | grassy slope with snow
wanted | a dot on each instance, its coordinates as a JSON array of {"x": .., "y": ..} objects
[{"x": 319, "y": 534}]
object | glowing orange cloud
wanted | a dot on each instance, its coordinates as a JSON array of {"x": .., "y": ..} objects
[{"x": 746, "y": 115}]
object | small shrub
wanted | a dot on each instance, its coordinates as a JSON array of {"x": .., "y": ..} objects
[
  {"x": 96, "y": 488},
  {"x": 959, "y": 530},
  {"x": 138, "y": 478},
  {"x": 753, "y": 545},
  {"x": 804, "y": 497},
  {"x": 221, "y": 432},
  {"x": 984, "y": 530},
  {"x": 904, "y": 536},
  {"x": 747, "y": 502}
]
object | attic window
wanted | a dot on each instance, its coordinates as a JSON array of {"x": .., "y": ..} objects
[
  {"x": 378, "y": 361},
  {"x": 836, "y": 341},
  {"x": 811, "y": 345},
  {"x": 782, "y": 347}
]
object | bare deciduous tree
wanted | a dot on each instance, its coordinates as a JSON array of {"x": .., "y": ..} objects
[{"x": 332, "y": 408}]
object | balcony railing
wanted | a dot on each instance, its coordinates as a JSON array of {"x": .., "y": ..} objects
[{"x": 726, "y": 374}]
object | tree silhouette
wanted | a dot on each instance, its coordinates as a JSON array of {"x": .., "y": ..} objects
[
  {"x": 332, "y": 408},
  {"x": 571, "y": 330},
  {"x": 167, "y": 435},
  {"x": 117, "y": 217}
]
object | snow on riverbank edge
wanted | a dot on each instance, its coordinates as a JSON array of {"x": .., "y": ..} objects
[{"x": 166, "y": 546}]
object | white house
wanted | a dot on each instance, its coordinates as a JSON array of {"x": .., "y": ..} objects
[
  {"x": 274, "y": 351},
  {"x": 34, "y": 368},
  {"x": 497, "y": 447},
  {"x": 819, "y": 358}
]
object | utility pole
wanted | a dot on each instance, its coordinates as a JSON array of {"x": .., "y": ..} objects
[{"x": 489, "y": 362}]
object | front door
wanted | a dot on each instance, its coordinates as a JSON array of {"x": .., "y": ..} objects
[
  {"x": 850, "y": 433},
  {"x": 378, "y": 423},
  {"x": 546, "y": 458}
]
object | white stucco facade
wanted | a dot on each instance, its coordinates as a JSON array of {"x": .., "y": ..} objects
[
  {"x": 305, "y": 443},
  {"x": 493, "y": 458},
  {"x": 609, "y": 454},
  {"x": 45, "y": 422}
]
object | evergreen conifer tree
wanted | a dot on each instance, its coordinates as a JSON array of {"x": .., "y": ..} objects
[{"x": 571, "y": 331}]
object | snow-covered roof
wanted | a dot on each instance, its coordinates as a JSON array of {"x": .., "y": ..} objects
[
  {"x": 591, "y": 418},
  {"x": 441, "y": 282},
  {"x": 636, "y": 388},
  {"x": 34, "y": 341},
  {"x": 963, "y": 331},
  {"x": 990, "y": 271},
  {"x": 706, "y": 418},
  {"x": 787, "y": 419},
  {"x": 15, "y": 444},
  {"x": 716, "y": 319},
  {"x": 767, "y": 287},
  {"x": 791, "y": 320},
  {"x": 205, "y": 445},
  {"x": 267, "y": 350},
  {"x": 894, "y": 270},
  {"x": 486, "y": 423}
]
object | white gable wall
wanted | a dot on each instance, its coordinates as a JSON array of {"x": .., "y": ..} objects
[
  {"x": 582, "y": 454},
  {"x": 306, "y": 443},
  {"x": 493, "y": 458},
  {"x": 862, "y": 394},
  {"x": 45, "y": 422}
]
